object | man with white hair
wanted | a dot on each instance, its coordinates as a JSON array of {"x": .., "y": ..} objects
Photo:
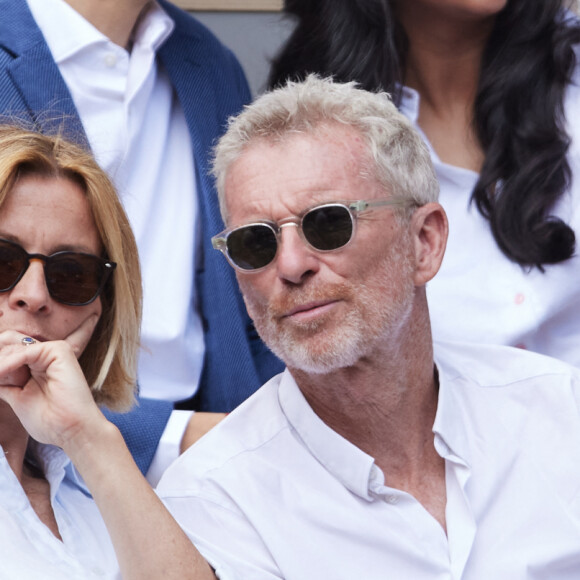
[{"x": 373, "y": 454}]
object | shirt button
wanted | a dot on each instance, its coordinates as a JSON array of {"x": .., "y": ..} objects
[
  {"x": 519, "y": 298},
  {"x": 110, "y": 60},
  {"x": 393, "y": 499}
]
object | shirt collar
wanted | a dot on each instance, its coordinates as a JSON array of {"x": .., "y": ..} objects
[
  {"x": 351, "y": 466},
  {"x": 54, "y": 463},
  {"x": 410, "y": 104},
  {"x": 459, "y": 176},
  {"x": 452, "y": 438},
  {"x": 153, "y": 28}
]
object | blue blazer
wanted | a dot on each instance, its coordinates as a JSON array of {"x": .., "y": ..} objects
[{"x": 210, "y": 86}]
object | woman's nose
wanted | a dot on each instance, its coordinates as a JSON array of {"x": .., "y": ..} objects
[{"x": 31, "y": 292}]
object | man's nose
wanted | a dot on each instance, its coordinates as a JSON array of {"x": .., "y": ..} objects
[{"x": 296, "y": 260}]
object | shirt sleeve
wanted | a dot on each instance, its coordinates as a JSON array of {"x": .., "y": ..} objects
[
  {"x": 225, "y": 538},
  {"x": 168, "y": 449}
]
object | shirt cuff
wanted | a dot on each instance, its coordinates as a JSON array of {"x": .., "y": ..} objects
[{"x": 168, "y": 448}]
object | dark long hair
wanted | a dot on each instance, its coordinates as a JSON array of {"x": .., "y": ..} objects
[{"x": 518, "y": 117}]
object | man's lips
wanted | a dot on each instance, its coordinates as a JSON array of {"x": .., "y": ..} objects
[{"x": 310, "y": 309}]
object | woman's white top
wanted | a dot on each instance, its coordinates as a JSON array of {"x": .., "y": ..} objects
[
  {"x": 479, "y": 295},
  {"x": 30, "y": 551}
]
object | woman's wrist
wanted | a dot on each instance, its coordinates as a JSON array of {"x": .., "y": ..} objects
[{"x": 95, "y": 446}]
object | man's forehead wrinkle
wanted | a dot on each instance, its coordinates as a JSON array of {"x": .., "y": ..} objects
[
  {"x": 282, "y": 178},
  {"x": 295, "y": 203}
]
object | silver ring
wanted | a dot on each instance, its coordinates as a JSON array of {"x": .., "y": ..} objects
[{"x": 27, "y": 341}]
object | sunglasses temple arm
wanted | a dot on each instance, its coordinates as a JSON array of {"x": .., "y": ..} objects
[{"x": 218, "y": 242}]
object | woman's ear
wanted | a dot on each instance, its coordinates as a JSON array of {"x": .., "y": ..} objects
[{"x": 430, "y": 229}]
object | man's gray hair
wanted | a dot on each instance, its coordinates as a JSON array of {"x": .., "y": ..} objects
[{"x": 399, "y": 159}]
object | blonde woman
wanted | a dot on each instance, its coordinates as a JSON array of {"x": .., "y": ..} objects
[{"x": 70, "y": 289}]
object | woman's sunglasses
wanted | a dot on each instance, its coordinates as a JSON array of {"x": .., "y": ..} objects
[
  {"x": 72, "y": 278},
  {"x": 325, "y": 228}
]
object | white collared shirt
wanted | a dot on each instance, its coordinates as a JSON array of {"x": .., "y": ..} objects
[
  {"x": 273, "y": 492},
  {"x": 30, "y": 551},
  {"x": 479, "y": 295},
  {"x": 139, "y": 135}
]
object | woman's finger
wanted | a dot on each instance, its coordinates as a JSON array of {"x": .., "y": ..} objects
[
  {"x": 13, "y": 337},
  {"x": 14, "y": 365},
  {"x": 80, "y": 336},
  {"x": 16, "y": 378}
]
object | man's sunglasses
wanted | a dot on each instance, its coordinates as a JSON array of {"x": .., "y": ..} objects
[
  {"x": 72, "y": 278},
  {"x": 326, "y": 228}
]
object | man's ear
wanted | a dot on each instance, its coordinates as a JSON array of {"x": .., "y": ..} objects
[{"x": 430, "y": 229}]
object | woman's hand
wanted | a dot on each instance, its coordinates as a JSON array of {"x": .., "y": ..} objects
[{"x": 46, "y": 388}]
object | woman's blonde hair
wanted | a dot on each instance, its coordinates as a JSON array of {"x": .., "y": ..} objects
[{"x": 109, "y": 361}]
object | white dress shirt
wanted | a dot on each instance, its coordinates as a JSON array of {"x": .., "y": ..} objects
[
  {"x": 29, "y": 550},
  {"x": 139, "y": 135},
  {"x": 273, "y": 492},
  {"x": 479, "y": 295}
]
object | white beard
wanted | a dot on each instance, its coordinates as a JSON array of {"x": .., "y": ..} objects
[{"x": 373, "y": 314}]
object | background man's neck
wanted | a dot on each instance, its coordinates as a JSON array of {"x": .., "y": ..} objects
[{"x": 116, "y": 19}]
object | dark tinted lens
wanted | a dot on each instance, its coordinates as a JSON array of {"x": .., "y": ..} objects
[
  {"x": 13, "y": 262},
  {"x": 252, "y": 247},
  {"x": 74, "y": 278},
  {"x": 328, "y": 227}
]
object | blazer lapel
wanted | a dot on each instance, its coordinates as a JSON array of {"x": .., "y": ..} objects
[
  {"x": 44, "y": 96},
  {"x": 180, "y": 56}
]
